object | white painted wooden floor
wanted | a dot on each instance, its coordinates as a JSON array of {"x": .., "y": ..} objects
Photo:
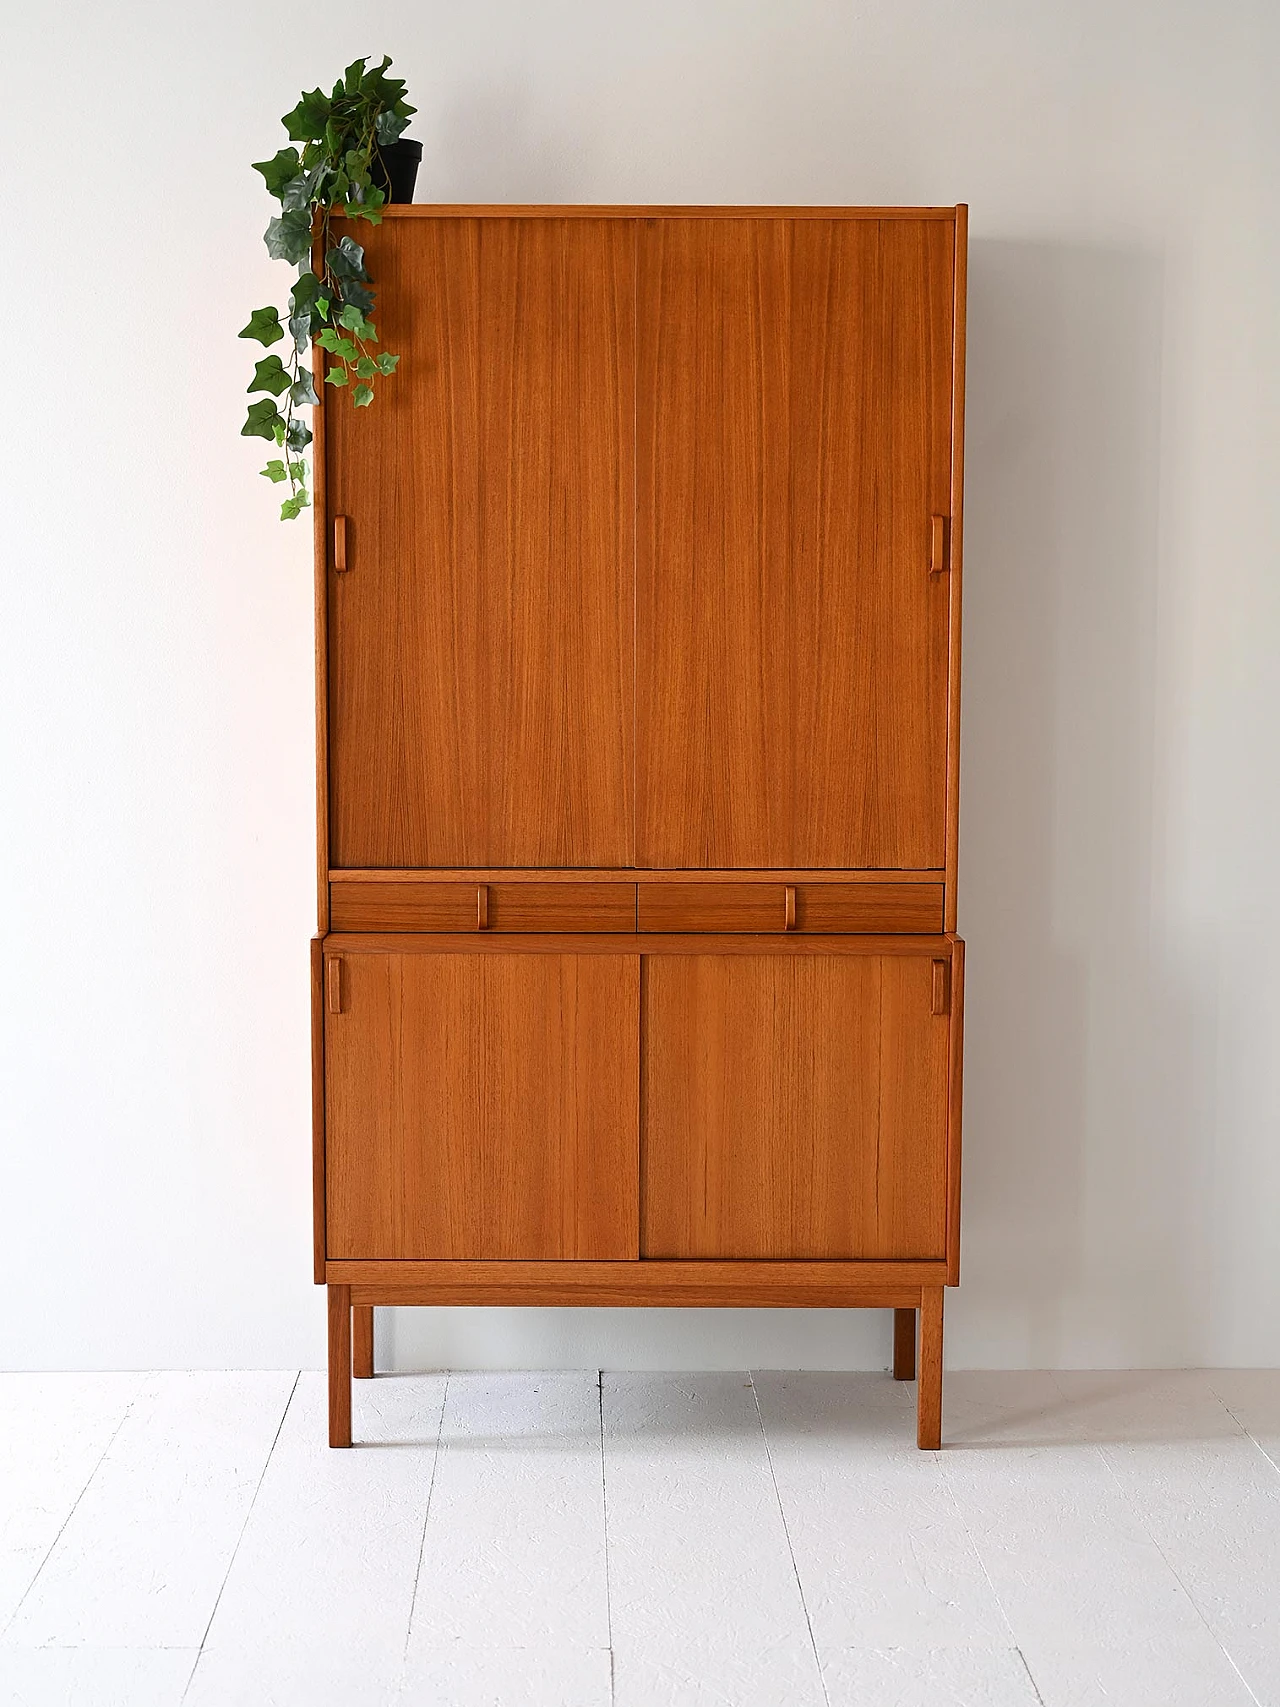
[{"x": 643, "y": 1540}]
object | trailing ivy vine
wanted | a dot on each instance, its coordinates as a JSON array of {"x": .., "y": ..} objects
[{"x": 334, "y": 173}]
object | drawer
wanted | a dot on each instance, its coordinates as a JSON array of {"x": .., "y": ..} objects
[
  {"x": 421, "y": 904},
  {"x": 878, "y": 907}
]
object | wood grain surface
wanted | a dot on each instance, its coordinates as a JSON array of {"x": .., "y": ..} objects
[
  {"x": 483, "y": 1106},
  {"x": 794, "y": 1106},
  {"x": 793, "y": 444},
  {"x": 480, "y": 643},
  {"x": 422, "y": 904},
  {"x": 762, "y": 907}
]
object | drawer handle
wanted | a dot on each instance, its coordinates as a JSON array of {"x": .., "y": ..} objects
[
  {"x": 938, "y": 545},
  {"x": 941, "y": 987},
  {"x": 789, "y": 908},
  {"x": 335, "y": 985},
  {"x": 340, "y": 544},
  {"x": 482, "y": 907}
]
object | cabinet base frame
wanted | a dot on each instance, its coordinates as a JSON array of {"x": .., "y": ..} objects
[{"x": 354, "y": 1291}]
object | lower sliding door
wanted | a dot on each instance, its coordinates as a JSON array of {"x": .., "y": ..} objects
[
  {"x": 795, "y": 1104},
  {"x": 480, "y": 1105}
]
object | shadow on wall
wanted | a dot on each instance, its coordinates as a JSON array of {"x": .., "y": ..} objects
[
  {"x": 1088, "y": 1106},
  {"x": 1090, "y": 1046}
]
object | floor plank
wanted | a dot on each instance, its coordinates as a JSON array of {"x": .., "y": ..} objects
[
  {"x": 884, "y": 1558},
  {"x": 54, "y": 1430},
  {"x": 1094, "y": 1606},
  {"x": 513, "y": 1555},
  {"x": 704, "y": 1600},
  {"x": 143, "y": 1556},
  {"x": 1253, "y": 1398},
  {"x": 1207, "y": 1496},
  {"x": 94, "y": 1677},
  {"x": 928, "y": 1677},
  {"x": 1082, "y": 1541},
  {"x": 315, "y": 1611},
  {"x": 463, "y": 1676}
]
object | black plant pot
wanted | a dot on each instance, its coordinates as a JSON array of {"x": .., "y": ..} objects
[{"x": 394, "y": 168}]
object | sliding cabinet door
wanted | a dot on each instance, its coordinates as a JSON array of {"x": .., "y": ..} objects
[
  {"x": 793, "y": 445},
  {"x": 481, "y": 637},
  {"x": 795, "y": 1105},
  {"x": 481, "y": 1105}
]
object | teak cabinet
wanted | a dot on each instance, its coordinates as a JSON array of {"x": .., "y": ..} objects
[{"x": 638, "y": 630}]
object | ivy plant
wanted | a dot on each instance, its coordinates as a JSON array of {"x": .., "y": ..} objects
[{"x": 330, "y": 173}]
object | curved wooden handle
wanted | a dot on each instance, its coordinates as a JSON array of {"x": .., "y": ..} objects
[
  {"x": 789, "y": 908},
  {"x": 482, "y": 907}
]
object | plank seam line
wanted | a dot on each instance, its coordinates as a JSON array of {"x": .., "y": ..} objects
[
  {"x": 1099, "y": 1447},
  {"x": 257, "y": 1489},
  {"x": 426, "y": 1515},
  {"x": 786, "y": 1530},
  {"x": 604, "y": 1512},
  {"x": 128, "y": 1411}
]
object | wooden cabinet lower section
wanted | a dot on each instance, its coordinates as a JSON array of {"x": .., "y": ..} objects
[
  {"x": 630, "y": 1119},
  {"x": 481, "y": 1105},
  {"x": 543, "y": 1098},
  {"x": 795, "y": 1106}
]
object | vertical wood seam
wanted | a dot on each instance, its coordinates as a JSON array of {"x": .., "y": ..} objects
[{"x": 955, "y": 559}]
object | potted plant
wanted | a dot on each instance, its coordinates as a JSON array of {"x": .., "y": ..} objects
[{"x": 352, "y": 160}]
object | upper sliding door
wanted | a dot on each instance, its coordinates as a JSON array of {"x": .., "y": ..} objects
[
  {"x": 481, "y": 661},
  {"x": 793, "y": 444}
]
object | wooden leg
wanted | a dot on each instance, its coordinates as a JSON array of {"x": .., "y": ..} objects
[
  {"x": 929, "y": 1390},
  {"x": 362, "y": 1341},
  {"x": 904, "y": 1345},
  {"x": 339, "y": 1366}
]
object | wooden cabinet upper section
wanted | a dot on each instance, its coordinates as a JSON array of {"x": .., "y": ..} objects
[{"x": 651, "y": 545}]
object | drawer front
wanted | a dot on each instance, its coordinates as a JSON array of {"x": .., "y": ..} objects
[
  {"x": 412, "y": 904},
  {"x": 835, "y": 907}
]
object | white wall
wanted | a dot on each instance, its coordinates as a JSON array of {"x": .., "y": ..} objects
[{"x": 1122, "y": 693}]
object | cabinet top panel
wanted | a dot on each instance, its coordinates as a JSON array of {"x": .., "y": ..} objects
[{"x": 554, "y": 210}]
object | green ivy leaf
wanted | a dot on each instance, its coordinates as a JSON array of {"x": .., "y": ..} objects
[
  {"x": 302, "y": 301},
  {"x": 323, "y": 306},
  {"x": 289, "y": 237},
  {"x": 362, "y": 396},
  {"x": 278, "y": 171},
  {"x": 329, "y": 340},
  {"x": 389, "y": 125},
  {"x": 358, "y": 294},
  {"x": 299, "y": 436},
  {"x": 308, "y": 119},
  {"x": 264, "y": 325},
  {"x": 261, "y": 423},
  {"x": 275, "y": 471},
  {"x": 355, "y": 71},
  {"x": 366, "y": 367},
  {"x": 346, "y": 260},
  {"x": 299, "y": 472},
  {"x": 293, "y": 507},
  {"x": 306, "y": 288},
  {"x": 387, "y": 363},
  {"x": 303, "y": 391},
  {"x": 354, "y": 321},
  {"x": 335, "y": 376},
  {"x": 270, "y": 375},
  {"x": 299, "y": 192}
]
